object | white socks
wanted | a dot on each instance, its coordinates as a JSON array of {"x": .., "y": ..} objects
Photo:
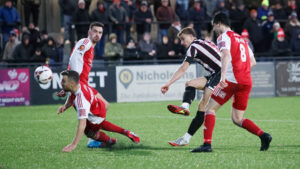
[
  {"x": 185, "y": 105},
  {"x": 187, "y": 137}
]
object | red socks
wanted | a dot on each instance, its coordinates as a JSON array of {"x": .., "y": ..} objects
[
  {"x": 100, "y": 136},
  {"x": 209, "y": 124},
  {"x": 251, "y": 127},
  {"x": 108, "y": 126}
]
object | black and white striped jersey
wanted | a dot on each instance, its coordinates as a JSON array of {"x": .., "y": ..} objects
[{"x": 206, "y": 53}]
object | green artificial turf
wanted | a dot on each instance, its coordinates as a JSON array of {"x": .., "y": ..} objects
[{"x": 33, "y": 137}]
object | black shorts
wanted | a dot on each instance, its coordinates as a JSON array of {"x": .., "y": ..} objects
[{"x": 213, "y": 80}]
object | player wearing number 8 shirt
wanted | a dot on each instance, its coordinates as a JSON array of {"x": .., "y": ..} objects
[{"x": 237, "y": 60}]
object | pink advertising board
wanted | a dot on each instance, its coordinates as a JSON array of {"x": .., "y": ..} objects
[{"x": 14, "y": 87}]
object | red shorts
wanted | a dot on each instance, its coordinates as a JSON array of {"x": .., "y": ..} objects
[
  {"x": 91, "y": 129},
  {"x": 240, "y": 93}
]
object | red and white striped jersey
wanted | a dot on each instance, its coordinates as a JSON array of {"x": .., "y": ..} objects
[
  {"x": 239, "y": 69},
  {"x": 81, "y": 59},
  {"x": 87, "y": 105}
]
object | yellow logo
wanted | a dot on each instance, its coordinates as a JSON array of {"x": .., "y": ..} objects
[{"x": 126, "y": 77}]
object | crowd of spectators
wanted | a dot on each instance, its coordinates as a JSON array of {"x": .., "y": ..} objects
[{"x": 272, "y": 28}]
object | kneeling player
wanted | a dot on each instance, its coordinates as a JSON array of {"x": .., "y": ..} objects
[{"x": 91, "y": 113}]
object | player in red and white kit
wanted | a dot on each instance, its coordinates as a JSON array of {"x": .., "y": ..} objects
[
  {"x": 237, "y": 60},
  {"x": 91, "y": 112},
  {"x": 82, "y": 56},
  {"x": 81, "y": 60}
]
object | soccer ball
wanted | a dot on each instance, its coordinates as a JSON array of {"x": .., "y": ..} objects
[{"x": 43, "y": 74}]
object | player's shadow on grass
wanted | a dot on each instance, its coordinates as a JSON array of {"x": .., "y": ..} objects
[{"x": 141, "y": 149}]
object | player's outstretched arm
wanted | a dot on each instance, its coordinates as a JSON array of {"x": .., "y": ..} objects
[
  {"x": 225, "y": 61},
  {"x": 79, "y": 133},
  {"x": 252, "y": 58},
  {"x": 177, "y": 75},
  {"x": 64, "y": 107},
  {"x": 104, "y": 100}
]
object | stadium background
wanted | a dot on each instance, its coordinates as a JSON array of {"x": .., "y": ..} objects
[{"x": 33, "y": 135}]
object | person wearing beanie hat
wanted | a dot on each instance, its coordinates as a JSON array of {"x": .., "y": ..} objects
[
  {"x": 143, "y": 18},
  {"x": 267, "y": 28},
  {"x": 262, "y": 11},
  {"x": 198, "y": 16},
  {"x": 253, "y": 26},
  {"x": 292, "y": 26},
  {"x": 9, "y": 19},
  {"x": 80, "y": 17},
  {"x": 113, "y": 50},
  {"x": 295, "y": 44},
  {"x": 10, "y": 46},
  {"x": 280, "y": 46},
  {"x": 245, "y": 35}
]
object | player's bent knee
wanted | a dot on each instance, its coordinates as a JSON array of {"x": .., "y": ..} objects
[
  {"x": 236, "y": 121},
  {"x": 90, "y": 134}
]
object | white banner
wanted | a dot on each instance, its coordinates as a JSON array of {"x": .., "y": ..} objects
[{"x": 143, "y": 83}]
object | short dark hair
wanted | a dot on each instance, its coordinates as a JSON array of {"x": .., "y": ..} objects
[
  {"x": 187, "y": 31},
  {"x": 99, "y": 24},
  {"x": 221, "y": 18},
  {"x": 71, "y": 74}
]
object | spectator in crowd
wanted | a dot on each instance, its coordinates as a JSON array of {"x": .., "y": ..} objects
[
  {"x": 279, "y": 12},
  {"x": 197, "y": 15},
  {"x": 238, "y": 15},
  {"x": 253, "y": 26},
  {"x": 183, "y": 3},
  {"x": 245, "y": 35},
  {"x": 210, "y": 7},
  {"x": 68, "y": 7},
  {"x": 295, "y": 44},
  {"x": 178, "y": 48},
  {"x": 181, "y": 10},
  {"x": 107, "y": 3},
  {"x": 119, "y": 17},
  {"x": 87, "y": 4},
  {"x": 221, "y": 8},
  {"x": 81, "y": 20},
  {"x": 164, "y": 50},
  {"x": 60, "y": 47},
  {"x": 280, "y": 46},
  {"x": 275, "y": 29},
  {"x": 174, "y": 29},
  {"x": 131, "y": 52},
  {"x": 10, "y": 46},
  {"x": 31, "y": 8},
  {"x": 113, "y": 50},
  {"x": 37, "y": 56},
  {"x": 164, "y": 13},
  {"x": 129, "y": 6},
  {"x": 23, "y": 51},
  {"x": 263, "y": 10},
  {"x": 291, "y": 7},
  {"x": 9, "y": 19},
  {"x": 147, "y": 47},
  {"x": 50, "y": 51},
  {"x": 100, "y": 14},
  {"x": 44, "y": 38},
  {"x": 292, "y": 25},
  {"x": 143, "y": 18},
  {"x": 35, "y": 36},
  {"x": 267, "y": 28}
]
